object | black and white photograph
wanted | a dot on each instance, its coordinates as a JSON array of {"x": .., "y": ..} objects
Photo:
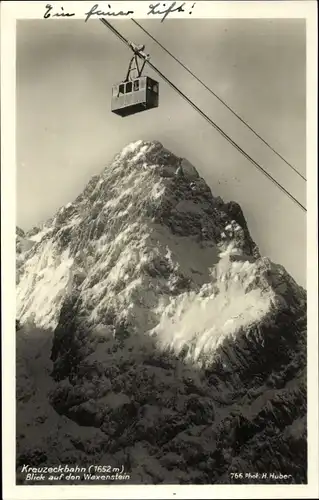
[{"x": 162, "y": 263}]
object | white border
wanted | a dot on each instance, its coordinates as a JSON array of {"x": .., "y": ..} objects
[{"x": 10, "y": 12}]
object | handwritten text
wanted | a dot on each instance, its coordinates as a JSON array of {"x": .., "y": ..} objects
[
  {"x": 99, "y": 13},
  {"x": 61, "y": 13},
  {"x": 154, "y": 9}
]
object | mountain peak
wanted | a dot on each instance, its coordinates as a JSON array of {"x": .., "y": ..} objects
[
  {"x": 168, "y": 328},
  {"x": 134, "y": 217},
  {"x": 146, "y": 236}
]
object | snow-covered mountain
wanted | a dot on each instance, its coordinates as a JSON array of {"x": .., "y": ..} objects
[{"x": 171, "y": 334}]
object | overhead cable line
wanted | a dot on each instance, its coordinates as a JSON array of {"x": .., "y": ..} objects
[
  {"x": 209, "y": 120},
  {"x": 219, "y": 98}
]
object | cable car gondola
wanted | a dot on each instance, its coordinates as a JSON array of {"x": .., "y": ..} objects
[{"x": 135, "y": 93}]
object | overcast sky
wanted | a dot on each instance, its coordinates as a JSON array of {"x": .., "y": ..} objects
[{"x": 66, "y": 132}]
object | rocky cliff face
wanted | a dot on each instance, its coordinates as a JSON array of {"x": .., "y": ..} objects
[{"x": 173, "y": 341}]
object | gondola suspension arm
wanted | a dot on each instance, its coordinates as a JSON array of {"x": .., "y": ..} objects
[{"x": 137, "y": 49}]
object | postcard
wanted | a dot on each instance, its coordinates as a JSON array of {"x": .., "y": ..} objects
[{"x": 159, "y": 249}]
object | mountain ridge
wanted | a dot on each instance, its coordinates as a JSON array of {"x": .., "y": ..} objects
[{"x": 147, "y": 280}]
